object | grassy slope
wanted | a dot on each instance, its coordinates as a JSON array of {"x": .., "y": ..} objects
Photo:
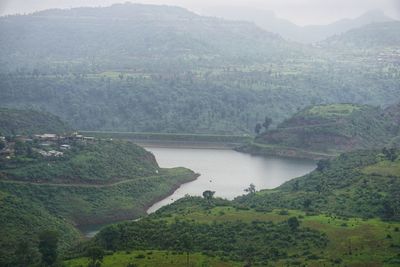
[
  {"x": 21, "y": 220},
  {"x": 361, "y": 184},
  {"x": 368, "y": 239},
  {"x": 352, "y": 241},
  {"x": 103, "y": 162},
  {"x": 156, "y": 258},
  {"x": 325, "y": 131},
  {"x": 13, "y": 121},
  {"x": 94, "y": 204}
]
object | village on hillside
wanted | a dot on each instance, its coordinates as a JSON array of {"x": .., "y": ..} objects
[{"x": 46, "y": 145}]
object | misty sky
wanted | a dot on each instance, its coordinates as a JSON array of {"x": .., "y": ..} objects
[{"x": 301, "y": 12}]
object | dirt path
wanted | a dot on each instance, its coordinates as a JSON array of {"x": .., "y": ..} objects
[{"x": 80, "y": 185}]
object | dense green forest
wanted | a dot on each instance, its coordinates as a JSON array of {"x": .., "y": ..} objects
[
  {"x": 322, "y": 218},
  {"x": 230, "y": 102},
  {"x": 17, "y": 122},
  {"x": 170, "y": 70},
  {"x": 326, "y": 130},
  {"x": 100, "y": 162}
]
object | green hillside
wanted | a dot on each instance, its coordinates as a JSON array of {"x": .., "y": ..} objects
[
  {"x": 128, "y": 36},
  {"x": 326, "y": 130},
  {"x": 148, "y": 68},
  {"x": 345, "y": 213},
  {"x": 94, "y": 182},
  {"x": 361, "y": 184},
  {"x": 13, "y": 122},
  {"x": 101, "y": 162}
]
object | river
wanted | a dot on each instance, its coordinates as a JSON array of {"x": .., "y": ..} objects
[{"x": 224, "y": 171}]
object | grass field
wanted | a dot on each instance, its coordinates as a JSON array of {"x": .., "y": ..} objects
[
  {"x": 384, "y": 168},
  {"x": 156, "y": 258},
  {"x": 352, "y": 241},
  {"x": 336, "y": 110}
]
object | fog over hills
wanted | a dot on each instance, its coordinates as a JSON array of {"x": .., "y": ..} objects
[
  {"x": 290, "y": 31},
  {"x": 133, "y": 67}
]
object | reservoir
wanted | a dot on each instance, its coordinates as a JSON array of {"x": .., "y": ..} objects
[{"x": 226, "y": 172}]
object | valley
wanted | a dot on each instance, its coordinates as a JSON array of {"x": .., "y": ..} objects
[{"x": 137, "y": 135}]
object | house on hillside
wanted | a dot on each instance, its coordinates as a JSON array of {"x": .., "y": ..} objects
[
  {"x": 47, "y": 137},
  {"x": 65, "y": 147},
  {"x": 51, "y": 153},
  {"x": 88, "y": 138}
]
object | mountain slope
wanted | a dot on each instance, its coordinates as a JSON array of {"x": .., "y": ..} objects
[
  {"x": 377, "y": 35},
  {"x": 96, "y": 182},
  {"x": 290, "y": 31},
  {"x": 363, "y": 184},
  {"x": 14, "y": 121},
  {"x": 326, "y": 130},
  {"x": 128, "y": 36}
]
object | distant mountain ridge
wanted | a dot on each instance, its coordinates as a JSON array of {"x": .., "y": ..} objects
[
  {"x": 375, "y": 35},
  {"x": 128, "y": 36},
  {"x": 290, "y": 31},
  {"x": 122, "y": 11}
]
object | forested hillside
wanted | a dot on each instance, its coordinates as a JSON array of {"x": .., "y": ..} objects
[
  {"x": 164, "y": 69},
  {"x": 327, "y": 130},
  {"x": 129, "y": 36},
  {"x": 362, "y": 184},
  {"x": 50, "y": 186},
  {"x": 383, "y": 35},
  {"x": 13, "y": 122}
]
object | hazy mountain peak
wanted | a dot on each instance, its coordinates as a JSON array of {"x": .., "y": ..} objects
[
  {"x": 307, "y": 34},
  {"x": 374, "y": 13},
  {"x": 124, "y": 10}
]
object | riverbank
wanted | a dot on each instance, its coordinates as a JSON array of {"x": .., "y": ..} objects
[
  {"x": 175, "y": 187},
  {"x": 258, "y": 149},
  {"x": 89, "y": 230}
]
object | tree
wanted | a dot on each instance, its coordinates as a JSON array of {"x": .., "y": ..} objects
[
  {"x": 48, "y": 241},
  {"x": 248, "y": 253},
  {"x": 322, "y": 165},
  {"x": 293, "y": 223},
  {"x": 267, "y": 123},
  {"x": 96, "y": 255},
  {"x": 208, "y": 195},
  {"x": 25, "y": 254},
  {"x": 295, "y": 186},
  {"x": 251, "y": 189},
  {"x": 186, "y": 245},
  {"x": 390, "y": 154},
  {"x": 257, "y": 129},
  {"x": 110, "y": 237},
  {"x": 307, "y": 203}
]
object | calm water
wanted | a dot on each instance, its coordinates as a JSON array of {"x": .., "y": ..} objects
[{"x": 226, "y": 172}]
